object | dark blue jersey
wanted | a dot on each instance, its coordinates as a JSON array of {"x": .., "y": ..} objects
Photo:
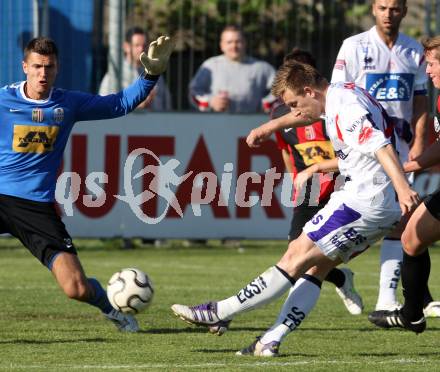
[{"x": 34, "y": 133}]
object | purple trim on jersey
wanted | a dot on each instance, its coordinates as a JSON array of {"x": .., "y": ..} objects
[
  {"x": 341, "y": 216},
  {"x": 422, "y": 92}
]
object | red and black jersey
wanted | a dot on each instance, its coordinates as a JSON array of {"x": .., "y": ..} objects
[{"x": 306, "y": 146}]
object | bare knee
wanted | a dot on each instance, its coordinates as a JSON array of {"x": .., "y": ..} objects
[
  {"x": 301, "y": 255},
  {"x": 70, "y": 276},
  {"x": 411, "y": 243},
  {"x": 76, "y": 289}
]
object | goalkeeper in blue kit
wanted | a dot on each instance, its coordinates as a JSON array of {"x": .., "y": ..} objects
[{"x": 36, "y": 120}]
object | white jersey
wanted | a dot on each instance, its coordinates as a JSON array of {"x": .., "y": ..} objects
[
  {"x": 393, "y": 76},
  {"x": 365, "y": 208},
  {"x": 357, "y": 127}
]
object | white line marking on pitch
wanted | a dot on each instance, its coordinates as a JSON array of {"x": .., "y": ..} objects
[{"x": 229, "y": 364}]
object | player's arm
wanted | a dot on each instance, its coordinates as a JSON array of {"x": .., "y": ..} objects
[
  {"x": 419, "y": 122},
  {"x": 325, "y": 166},
  {"x": 95, "y": 107},
  {"x": 430, "y": 157},
  {"x": 286, "y": 160},
  {"x": 408, "y": 198},
  {"x": 264, "y": 131}
]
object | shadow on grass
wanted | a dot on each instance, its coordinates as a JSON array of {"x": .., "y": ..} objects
[
  {"x": 228, "y": 351},
  {"x": 199, "y": 330},
  {"x": 48, "y": 342},
  {"x": 259, "y": 330}
]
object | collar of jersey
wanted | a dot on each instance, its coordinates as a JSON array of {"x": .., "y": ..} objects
[
  {"x": 34, "y": 100},
  {"x": 379, "y": 39}
]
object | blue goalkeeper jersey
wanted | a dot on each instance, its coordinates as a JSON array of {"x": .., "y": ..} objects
[{"x": 34, "y": 133}]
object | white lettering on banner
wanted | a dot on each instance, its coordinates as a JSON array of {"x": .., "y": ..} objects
[
  {"x": 228, "y": 191},
  {"x": 240, "y": 195},
  {"x": 100, "y": 195},
  {"x": 73, "y": 191},
  {"x": 160, "y": 185}
]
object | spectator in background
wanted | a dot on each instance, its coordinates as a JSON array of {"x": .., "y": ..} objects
[
  {"x": 158, "y": 100},
  {"x": 135, "y": 43},
  {"x": 232, "y": 82}
]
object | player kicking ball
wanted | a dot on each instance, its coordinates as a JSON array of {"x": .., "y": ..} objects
[
  {"x": 36, "y": 121},
  {"x": 357, "y": 215}
]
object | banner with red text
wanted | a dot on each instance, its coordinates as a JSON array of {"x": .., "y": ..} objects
[
  {"x": 181, "y": 180},
  {"x": 177, "y": 175}
]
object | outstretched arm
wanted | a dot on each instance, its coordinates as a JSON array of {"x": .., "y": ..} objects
[
  {"x": 264, "y": 131},
  {"x": 408, "y": 198},
  {"x": 95, "y": 107}
]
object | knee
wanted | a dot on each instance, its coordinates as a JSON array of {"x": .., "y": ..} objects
[
  {"x": 411, "y": 243},
  {"x": 76, "y": 289}
]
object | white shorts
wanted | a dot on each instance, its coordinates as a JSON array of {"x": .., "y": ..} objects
[{"x": 343, "y": 231}]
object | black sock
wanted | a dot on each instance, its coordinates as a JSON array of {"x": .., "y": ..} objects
[
  {"x": 336, "y": 276},
  {"x": 427, "y": 297},
  {"x": 415, "y": 274}
]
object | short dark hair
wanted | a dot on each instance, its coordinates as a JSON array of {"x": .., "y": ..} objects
[
  {"x": 41, "y": 45},
  {"x": 300, "y": 55},
  {"x": 135, "y": 30}
]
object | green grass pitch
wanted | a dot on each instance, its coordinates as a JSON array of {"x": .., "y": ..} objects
[{"x": 42, "y": 330}]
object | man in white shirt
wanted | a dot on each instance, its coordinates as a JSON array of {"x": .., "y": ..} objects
[
  {"x": 391, "y": 67},
  {"x": 357, "y": 215}
]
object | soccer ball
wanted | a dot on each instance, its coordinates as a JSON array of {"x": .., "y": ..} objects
[{"x": 130, "y": 290}]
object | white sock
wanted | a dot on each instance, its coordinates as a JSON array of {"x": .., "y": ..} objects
[
  {"x": 391, "y": 255},
  {"x": 263, "y": 289},
  {"x": 300, "y": 301}
]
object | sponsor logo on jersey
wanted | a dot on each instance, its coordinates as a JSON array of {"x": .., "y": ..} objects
[
  {"x": 58, "y": 114},
  {"x": 34, "y": 139},
  {"x": 390, "y": 87},
  {"x": 368, "y": 60},
  {"x": 365, "y": 134},
  {"x": 356, "y": 123},
  {"x": 14, "y": 110},
  {"x": 310, "y": 133},
  {"x": 315, "y": 151},
  {"x": 37, "y": 115}
]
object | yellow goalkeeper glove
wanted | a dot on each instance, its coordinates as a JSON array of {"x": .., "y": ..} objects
[{"x": 159, "y": 51}]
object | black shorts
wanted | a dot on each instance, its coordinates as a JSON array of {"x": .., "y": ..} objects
[
  {"x": 432, "y": 204},
  {"x": 301, "y": 215},
  {"x": 37, "y": 225}
]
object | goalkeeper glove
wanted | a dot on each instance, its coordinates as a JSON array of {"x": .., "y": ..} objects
[{"x": 159, "y": 51}]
